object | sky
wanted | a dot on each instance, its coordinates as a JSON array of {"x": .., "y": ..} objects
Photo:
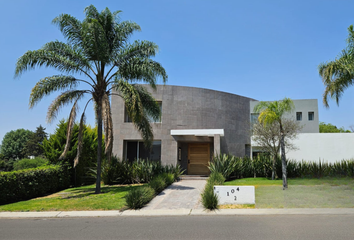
[{"x": 266, "y": 50}]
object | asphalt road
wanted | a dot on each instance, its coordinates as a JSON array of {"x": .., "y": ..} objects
[{"x": 273, "y": 227}]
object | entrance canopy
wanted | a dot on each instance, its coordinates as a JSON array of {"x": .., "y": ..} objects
[{"x": 198, "y": 132}]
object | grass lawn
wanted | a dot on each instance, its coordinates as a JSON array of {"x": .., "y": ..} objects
[
  {"x": 75, "y": 199},
  {"x": 302, "y": 193}
]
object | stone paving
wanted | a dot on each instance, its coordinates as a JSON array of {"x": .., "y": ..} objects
[{"x": 184, "y": 194}]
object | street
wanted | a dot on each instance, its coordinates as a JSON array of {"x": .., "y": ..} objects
[{"x": 183, "y": 227}]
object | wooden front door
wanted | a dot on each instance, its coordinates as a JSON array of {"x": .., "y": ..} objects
[{"x": 198, "y": 158}]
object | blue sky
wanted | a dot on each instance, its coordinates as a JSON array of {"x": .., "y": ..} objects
[{"x": 265, "y": 50}]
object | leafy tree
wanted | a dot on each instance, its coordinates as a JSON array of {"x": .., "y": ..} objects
[
  {"x": 33, "y": 147},
  {"x": 338, "y": 75},
  {"x": 268, "y": 138},
  {"x": 329, "y": 128},
  {"x": 13, "y": 143},
  {"x": 54, "y": 146},
  {"x": 97, "y": 50},
  {"x": 271, "y": 112}
]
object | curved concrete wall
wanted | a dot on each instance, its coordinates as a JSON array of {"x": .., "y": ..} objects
[{"x": 190, "y": 108}]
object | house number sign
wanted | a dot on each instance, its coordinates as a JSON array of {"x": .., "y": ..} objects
[{"x": 235, "y": 194}]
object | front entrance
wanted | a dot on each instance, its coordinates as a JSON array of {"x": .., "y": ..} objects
[{"x": 198, "y": 158}]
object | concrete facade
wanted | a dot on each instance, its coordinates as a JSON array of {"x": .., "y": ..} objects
[
  {"x": 189, "y": 108},
  {"x": 303, "y": 106}
]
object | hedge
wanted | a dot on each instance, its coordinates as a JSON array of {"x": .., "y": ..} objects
[{"x": 30, "y": 183}]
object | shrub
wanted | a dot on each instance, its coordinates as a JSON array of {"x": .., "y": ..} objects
[
  {"x": 169, "y": 178},
  {"x": 30, "y": 183},
  {"x": 139, "y": 197},
  {"x": 158, "y": 184},
  {"x": 209, "y": 198},
  {"x": 29, "y": 163},
  {"x": 216, "y": 178},
  {"x": 225, "y": 164}
]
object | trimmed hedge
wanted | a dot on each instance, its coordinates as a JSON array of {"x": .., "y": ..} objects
[
  {"x": 27, "y": 163},
  {"x": 30, "y": 183}
]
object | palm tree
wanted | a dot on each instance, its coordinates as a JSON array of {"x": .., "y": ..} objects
[
  {"x": 271, "y": 112},
  {"x": 97, "y": 50},
  {"x": 338, "y": 75}
]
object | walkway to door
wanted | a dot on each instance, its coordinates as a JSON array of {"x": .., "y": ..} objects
[{"x": 184, "y": 194}]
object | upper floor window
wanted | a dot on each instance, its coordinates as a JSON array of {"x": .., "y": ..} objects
[
  {"x": 127, "y": 118},
  {"x": 299, "y": 116},
  {"x": 254, "y": 118},
  {"x": 311, "y": 116}
]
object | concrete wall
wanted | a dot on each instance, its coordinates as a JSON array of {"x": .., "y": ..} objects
[
  {"x": 305, "y": 106},
  {"x": 329, "y": 147},
  {"x": 189, "y": 108}
]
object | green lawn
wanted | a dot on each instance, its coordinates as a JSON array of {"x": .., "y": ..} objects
[
  {"x": 75, "y": 199},
  {"x": 302, "y": 193}
]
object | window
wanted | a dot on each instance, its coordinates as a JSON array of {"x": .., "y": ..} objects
[
  {"x": 311, "y": 116},
  {"x": 136, "y": 150},
  {"x": 254, "y": 118},
  {"x": 299, "y": 116},
  {"x": 127, "y": 118}
]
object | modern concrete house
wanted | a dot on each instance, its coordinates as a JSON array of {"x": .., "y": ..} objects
[{"x": 197, "y": 123}]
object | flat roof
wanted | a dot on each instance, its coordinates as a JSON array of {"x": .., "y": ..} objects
[{"x": 197, "y": 132}]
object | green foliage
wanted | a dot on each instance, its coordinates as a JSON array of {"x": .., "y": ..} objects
[
  {"x": 158, "y": 183},
  {"x": 209, "y": 198},
  {"x": 54, "y": 146},
  {"x": 169, "y": 178},
  {"x": 34, "y": 145},
  {"x": 97, "y": 48},
  {"x": 216, "y": 178},
  {"x": 13, "y": 143},
  {"x": 29, "y": 163},
  {"x": 224, "y": 164},
  {"x": 139, "y": 171},
  {"x": 329, "y": 128},
  {"x": 139, "y": 197},
  {"x": 30, "y": 183}
]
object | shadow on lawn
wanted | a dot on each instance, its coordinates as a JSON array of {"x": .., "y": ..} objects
[{"x": 90, "y": 191}]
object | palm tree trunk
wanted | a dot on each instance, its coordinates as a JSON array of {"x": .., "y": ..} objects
[
  {"x": 283, "y": 162},
  {"x": 273, "y": 168},
  {"x": 99, "y": 146}
]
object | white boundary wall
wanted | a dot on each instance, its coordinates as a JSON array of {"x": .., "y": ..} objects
[{"x": 330, "y": 147}]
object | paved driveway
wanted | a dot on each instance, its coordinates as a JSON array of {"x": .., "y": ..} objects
[{"x": 184, "y": 194}]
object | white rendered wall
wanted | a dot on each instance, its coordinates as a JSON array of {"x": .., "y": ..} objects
[{"x": 330, "y": 147}]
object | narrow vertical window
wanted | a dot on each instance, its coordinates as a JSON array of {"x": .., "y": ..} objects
[
  {"x": 299, "y": 116},
  {"x": 311, "y": 116}
]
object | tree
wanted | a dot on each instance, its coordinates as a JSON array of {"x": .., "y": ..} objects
[
  {"x": 97, "y": 50},
  {"x": 271, "y": 112},
  {"x": 338, "y": 75},
  {"x": 268, "y": 138},
  {"x": 13, "y": 143},
  {"x": 33, "y": 147},
  {"x": 54, "y": 146},
  {"x": 329, "y": 128}
]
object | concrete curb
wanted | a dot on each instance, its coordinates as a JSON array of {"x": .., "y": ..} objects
[{"x": 179, "y": 212}]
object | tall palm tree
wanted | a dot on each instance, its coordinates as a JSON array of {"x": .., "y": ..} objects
[
  {"x": 271, "y": 112},
  {"x": 97, "y": 51},
  {"x": 338, "y": 75}
]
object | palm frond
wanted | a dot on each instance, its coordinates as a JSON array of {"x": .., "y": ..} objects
[
  {"x": 69, "y": 130},
  {"x": 47, "y": 85},
  {"x": 80, "y": 139},
  {"x": 63, "y": 99},
  {"x": 38, "y": 58},
  {"x": 70, "y": 28},
  {"x": 108, "y": 126}
]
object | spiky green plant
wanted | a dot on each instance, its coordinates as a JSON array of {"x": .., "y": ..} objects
[
  {"x": 271, "y": 112},
  {"x": 98, "y": 53}
]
